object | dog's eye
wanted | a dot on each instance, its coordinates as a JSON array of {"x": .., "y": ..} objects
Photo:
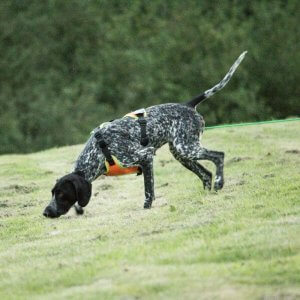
[{"x": 58, "y": 194}]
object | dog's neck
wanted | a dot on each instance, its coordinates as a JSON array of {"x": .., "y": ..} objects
[
  {"x": 90, "y": 171},
  {"x": 91, "y": 161}
]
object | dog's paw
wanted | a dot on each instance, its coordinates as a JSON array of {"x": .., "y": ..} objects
[
  {"x": 147, "y": 204},
  {"x": 219, "y": 183},
  {"x": 79, "y": 210}
]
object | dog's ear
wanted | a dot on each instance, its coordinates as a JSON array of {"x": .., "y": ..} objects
[{"x": 83, "y": 190}]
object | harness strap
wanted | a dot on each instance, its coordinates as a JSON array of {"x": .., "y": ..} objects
[
  {"x": 143, "y": 123},
  {"x": 115, "y": 168},
  {"x": 104, "y": 148}
]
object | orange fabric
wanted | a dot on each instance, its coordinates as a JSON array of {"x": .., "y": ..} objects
[{"x": 116, "y": 170}]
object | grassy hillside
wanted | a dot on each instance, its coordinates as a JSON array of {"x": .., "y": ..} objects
[{"x": 240, "y": 243}]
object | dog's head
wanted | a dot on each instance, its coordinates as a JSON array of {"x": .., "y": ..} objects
[{"x": 67, "y": 191}]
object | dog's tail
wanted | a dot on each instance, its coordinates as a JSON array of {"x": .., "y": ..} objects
[{"x": 200, "y": 98}]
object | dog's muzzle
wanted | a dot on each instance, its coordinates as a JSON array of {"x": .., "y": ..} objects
[{"x": 50, "y": 212}]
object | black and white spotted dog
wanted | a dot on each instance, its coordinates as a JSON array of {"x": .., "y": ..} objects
[{"x": 179, "y": 125}]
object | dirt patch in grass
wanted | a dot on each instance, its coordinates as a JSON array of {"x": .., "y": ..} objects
[
  {"x": 164, "y": 162},
  {"x": 237, "y": 159},
  {"x": 21, "y": 189},
  {"x": 162, "y": 185},
  {"x": 269, "y": 175},
  {"x": 3, "y": 204},
  {"x": 102, "y": 187},
  {"x": 293, "y": 151}
]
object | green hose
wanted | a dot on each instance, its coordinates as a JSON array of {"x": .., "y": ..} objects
[{"x": 252, "y": 123}]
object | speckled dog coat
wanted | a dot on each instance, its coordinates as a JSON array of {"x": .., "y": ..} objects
[{"x": 179, "y": 125}]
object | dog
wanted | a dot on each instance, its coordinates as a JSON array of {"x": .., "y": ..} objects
[{"x": 132, "y": 141}]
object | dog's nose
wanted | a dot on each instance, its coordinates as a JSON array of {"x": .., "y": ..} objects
[{"x": 49, "y": 212}]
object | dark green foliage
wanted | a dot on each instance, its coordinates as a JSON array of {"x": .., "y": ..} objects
[{"x": 67, "y": 66}]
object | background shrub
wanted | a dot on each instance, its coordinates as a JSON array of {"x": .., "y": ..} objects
[{"x": 67, "y": 66}]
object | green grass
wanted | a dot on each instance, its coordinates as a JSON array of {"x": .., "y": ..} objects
[{"x": 240, "y": 243}]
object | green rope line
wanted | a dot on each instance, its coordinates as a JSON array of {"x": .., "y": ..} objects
[{"x": 252, "y": 123}]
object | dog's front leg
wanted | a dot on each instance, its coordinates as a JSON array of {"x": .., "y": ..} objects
[{"x": 147, "y": 168}]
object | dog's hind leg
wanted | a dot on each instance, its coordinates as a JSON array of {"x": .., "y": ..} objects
[
  {"x": 193, "y": 151},
  {"x": 217, "y": 157},
  {"x": 194, "y": 166}
]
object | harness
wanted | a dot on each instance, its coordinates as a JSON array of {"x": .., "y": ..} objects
[{"x": 112, "y": 164}]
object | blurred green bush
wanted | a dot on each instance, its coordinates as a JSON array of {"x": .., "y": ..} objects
[{"x": 66, "y": 66}]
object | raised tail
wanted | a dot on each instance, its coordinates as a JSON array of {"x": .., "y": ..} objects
[{"x": 200, "y": 98}]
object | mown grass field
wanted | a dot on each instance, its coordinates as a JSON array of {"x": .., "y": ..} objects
[{"x": 240, "y": 243}]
